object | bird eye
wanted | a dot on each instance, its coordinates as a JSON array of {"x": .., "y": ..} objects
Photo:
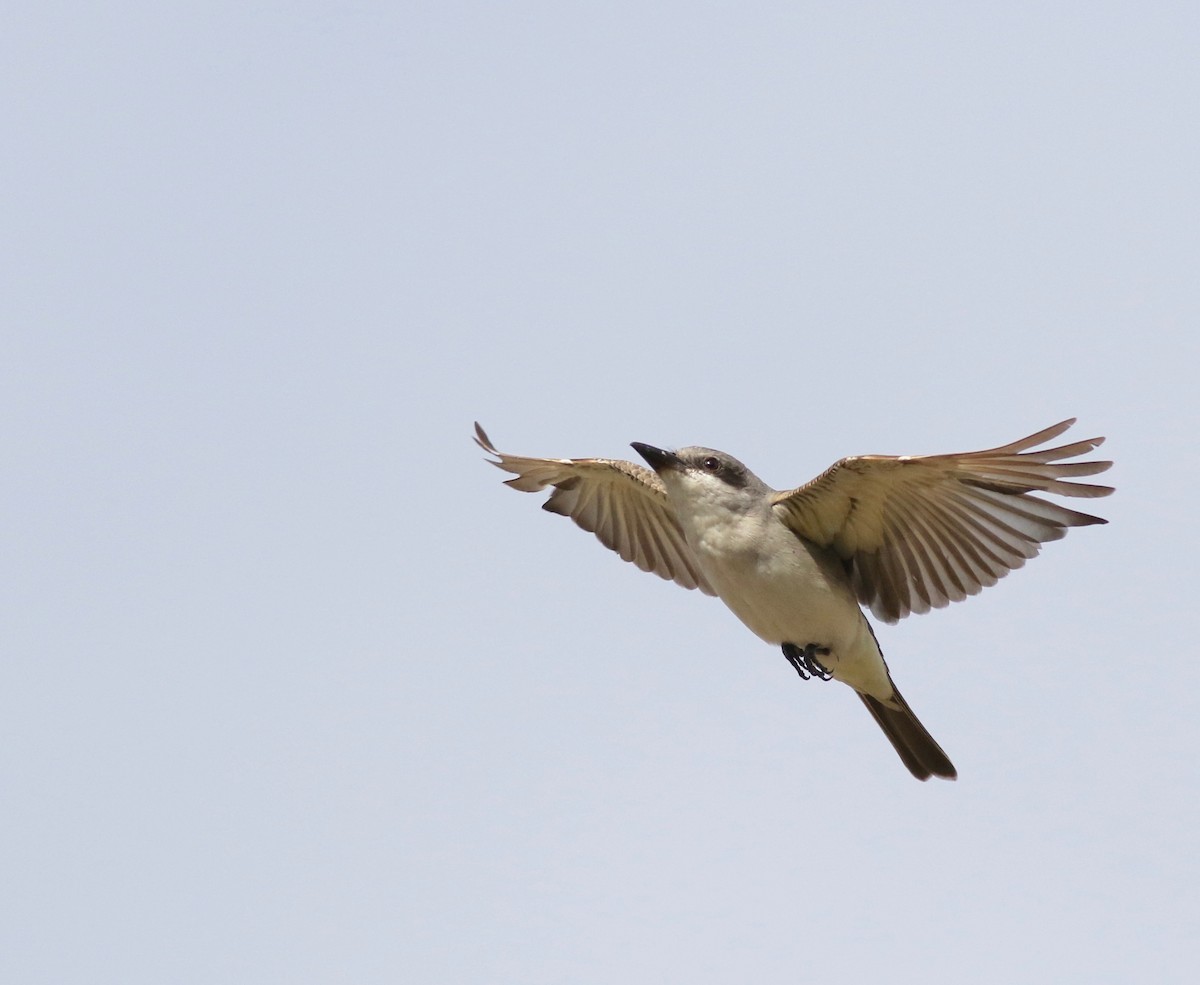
[{"x": 710, "y": 464}]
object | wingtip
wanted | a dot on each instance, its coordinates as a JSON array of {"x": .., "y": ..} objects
[
  {"x": 1054, "y": 430},
  {"x": 482, "y": 439},
  {"x": 1070, "y": 422}
]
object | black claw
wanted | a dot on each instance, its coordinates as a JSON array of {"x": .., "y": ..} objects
[
  {"x": 804, "y": 660},
  {"x": 796, "y": 659}
]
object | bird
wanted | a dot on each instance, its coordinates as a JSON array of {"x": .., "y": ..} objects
[{"x": 896, "y": 534}]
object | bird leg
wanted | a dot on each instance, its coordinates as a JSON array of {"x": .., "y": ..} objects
[{"x": 804, "y": 660}]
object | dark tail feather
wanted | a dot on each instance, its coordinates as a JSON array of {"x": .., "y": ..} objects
[{"x": 921, "y": 754}]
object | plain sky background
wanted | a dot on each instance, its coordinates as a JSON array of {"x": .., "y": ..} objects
[{"x": 293, "y": 690}]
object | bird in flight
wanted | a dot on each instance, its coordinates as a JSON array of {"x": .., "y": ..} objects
[{"x": 897, "y": 534}]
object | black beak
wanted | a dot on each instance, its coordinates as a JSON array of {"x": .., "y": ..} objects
[{"x": 656, "y": 458}]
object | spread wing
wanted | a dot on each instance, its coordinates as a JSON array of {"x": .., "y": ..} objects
[
  {"x": 920, "y": 532},
  {"x": 623, "y": 504}
]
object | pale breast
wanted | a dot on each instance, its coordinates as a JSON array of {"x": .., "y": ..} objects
[{"x": 776, "y": 585}]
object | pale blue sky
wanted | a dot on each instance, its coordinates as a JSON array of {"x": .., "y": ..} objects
[{"x": 293, "y": 690}]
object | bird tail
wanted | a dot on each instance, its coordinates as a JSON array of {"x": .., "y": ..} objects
[{"x": 917, "y": 748}]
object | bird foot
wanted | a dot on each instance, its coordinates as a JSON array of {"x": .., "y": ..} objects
[{"x": 804, "y": 660}]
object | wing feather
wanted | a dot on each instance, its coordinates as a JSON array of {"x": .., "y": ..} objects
[
  {"x": 623, "y": 504},
  {"x": 919, "y": 532}
]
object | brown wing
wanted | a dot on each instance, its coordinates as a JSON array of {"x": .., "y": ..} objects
[
  {"x": 921, "y": 532},
  {"x": 623, "y": 504}
]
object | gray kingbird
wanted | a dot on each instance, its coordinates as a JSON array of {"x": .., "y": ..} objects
[{"x": 897, "y": 534}]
